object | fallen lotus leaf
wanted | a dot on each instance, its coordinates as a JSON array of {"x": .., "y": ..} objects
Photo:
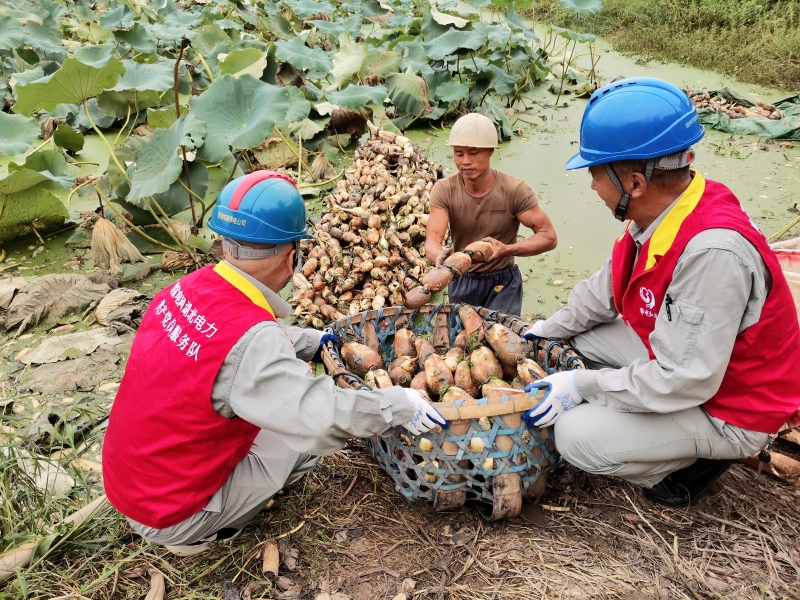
[
  {"x": 110, "y": 247},
  {"x": 72, "y": 345},
  {"x": 52, "y": 297},
  {"x": 113, "y": 300}
]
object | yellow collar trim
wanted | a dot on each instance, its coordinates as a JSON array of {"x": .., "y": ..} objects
[
  {"x": 665, "y": 233},
  {"x": 240, "y": 282}
]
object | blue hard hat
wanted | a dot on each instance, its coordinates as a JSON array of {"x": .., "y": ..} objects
[
  {"x": 263, "y": 207},
  {"x": 636, "y": 118}
]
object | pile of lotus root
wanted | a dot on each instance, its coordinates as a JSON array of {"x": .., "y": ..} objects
[
  {"x": 369, "y": 246},
  {"x": 734, "y": 111},
  {"x": 484, "y": 356}
]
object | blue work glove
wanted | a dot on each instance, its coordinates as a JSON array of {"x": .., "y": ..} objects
[
  {"x": 326, "y": 337},
  {"x": 425, "y": 416},
  {"x": 560, "y": 396},
  {"x": 535, "y": 331}
]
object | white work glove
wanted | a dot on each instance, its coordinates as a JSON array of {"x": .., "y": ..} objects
[
  {"x": 535, "y": 331},
  {"x": 425, "y": 416},
  {"x": 560, "y": 396},
  {"x": 443, "y": 256}
]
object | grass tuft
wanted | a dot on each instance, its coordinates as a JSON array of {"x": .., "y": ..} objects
[{"x": 756, "y": 41}]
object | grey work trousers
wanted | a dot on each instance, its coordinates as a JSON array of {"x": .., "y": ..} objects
[
  {"x": 642, "y": 448},
  {"x": 268, "y": 467}
]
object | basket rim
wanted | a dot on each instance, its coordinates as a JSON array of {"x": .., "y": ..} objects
[{"x": 505, "y": 401}]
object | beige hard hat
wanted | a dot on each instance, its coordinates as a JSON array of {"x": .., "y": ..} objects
[{"x": 474, "y": 131}]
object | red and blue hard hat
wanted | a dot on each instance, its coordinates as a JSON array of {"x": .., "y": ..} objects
[{"x": 264, "y": 207}]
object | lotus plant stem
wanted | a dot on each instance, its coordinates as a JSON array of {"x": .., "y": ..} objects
[
  {"x": 198, "y": 198},
  {"x": 565, "y": 66},
  {"x": 233, "y": 170},
  {"x": 42, "y": 145},
  {"x": 105, "y": 141},
  {"x": 169, "y": 228},
  {"x": 125, "y": 124},
  {"x": 122, "y": 218},
  {"x": 76, "y": 188},
  {"x": 36, "y": 233},
  {"x": 205, "y": 66},
  {"x": 184, "y": 43},
  {"x": 778, "y": 234},
  {"x": 288, "y": 145}
]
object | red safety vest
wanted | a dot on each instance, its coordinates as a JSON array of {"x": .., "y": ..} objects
[
  {"x": 167, "y": 451},
  {"x": 761, "y": 386}
]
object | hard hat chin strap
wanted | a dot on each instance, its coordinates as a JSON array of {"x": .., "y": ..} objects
[
  {"x": 233, "y": 249},
  {"x": 622, "y": 207}
]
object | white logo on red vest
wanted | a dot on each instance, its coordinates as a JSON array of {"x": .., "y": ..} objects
[{"x": 648, "y": 297}]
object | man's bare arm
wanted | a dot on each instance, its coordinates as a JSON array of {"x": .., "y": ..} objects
[
  {"x": 438, "y": 221},
  {"x": 544, "y": 237}
]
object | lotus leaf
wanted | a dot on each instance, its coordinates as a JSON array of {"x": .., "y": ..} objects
[
  {"x": 12, "y": 34},
  {"x": 300, "y": 56},
  {"x": 309, "y": 8},
  {"x": 138, "y": 38},
  {"x": 119, "y": 104},
  {"x": 347, "y": 62},
  {"x": 74, "y": 82},
  {"x": 335, "y": 28},
  {"x": 161, "y": 117},
  {"x": 33, "y": 208},
  {"x": 120, "y": 17},
  {"x": 573, "y": 36},
  {"x": 96, "y": 55},
  {"x": 515, "y": 22},
  {"x": 451, "y": 91},
  {"x": 67, "y": 138},
  {"x": 160, "y": 163},
  {"x": 305, "y": 129},
  {"x": 244, "y": 61},
  {"x": 242, "y": 112},
  {"x": 20, "y": 181},
  {"x": 446, "y": 19},
  {"x": 158, "y": 77},
  {"x": 101, "y": 119},
  {"x": 408, "y": 93},
  {"x": 176, "y": 198},
  {"x": 452, "y": 41},
  {"x": 208, "y": 36},
  {"x": 355, "y": 97},
  {"x": 17, "y": 133},
  {"x": 49, "y": 163},
  {"x": 582, "y": 6},
  {"x": 46, "y": 38}
]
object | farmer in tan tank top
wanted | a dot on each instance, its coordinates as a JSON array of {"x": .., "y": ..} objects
[{"x": 481, "y": 203}]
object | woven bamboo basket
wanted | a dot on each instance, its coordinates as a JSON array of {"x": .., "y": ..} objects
[{"x": 451, "y": 473}]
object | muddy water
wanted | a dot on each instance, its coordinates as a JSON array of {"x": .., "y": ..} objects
[{"x": 766, "y": 178}]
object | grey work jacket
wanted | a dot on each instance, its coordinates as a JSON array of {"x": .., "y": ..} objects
[
  {"x": 264, "y": 380},
  {"x": 719, "y": 286}
]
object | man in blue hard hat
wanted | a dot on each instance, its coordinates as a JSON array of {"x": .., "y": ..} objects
[
  {"x": 217, "y": 410},
  {"x": 689, "y": 326}
]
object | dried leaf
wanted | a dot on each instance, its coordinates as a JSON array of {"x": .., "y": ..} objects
[
  {"x": 110, "y": 247},
  {"x": 322, "y": 169},
  {"x": 52, "y": 297}
]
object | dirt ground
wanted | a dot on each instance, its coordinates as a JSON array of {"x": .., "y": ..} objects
[{"x": 344, "y": 530}]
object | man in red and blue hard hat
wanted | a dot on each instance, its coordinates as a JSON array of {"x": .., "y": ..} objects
[
  {"x": 689, "y": 326},
  {"x": 217, "y": 410}
]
